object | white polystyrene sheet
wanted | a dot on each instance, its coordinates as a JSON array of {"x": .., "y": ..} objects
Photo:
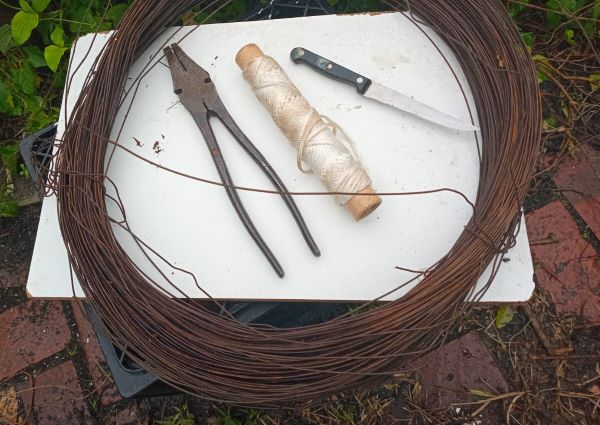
[{"x": 195, "y": 228}]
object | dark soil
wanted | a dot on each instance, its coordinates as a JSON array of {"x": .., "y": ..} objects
[{"x": 17, "y": 236}]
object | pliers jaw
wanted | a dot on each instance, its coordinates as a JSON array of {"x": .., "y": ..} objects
[
  {"x": 191, "y": 82},
  {"x": 198, "y": 94}
]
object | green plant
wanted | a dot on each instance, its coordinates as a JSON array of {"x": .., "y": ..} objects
[
  {"x": 562, "y": 36},
  {"x": 57, "y": 28},
  {"x": 574, "y": 20},
  {"x": 33, "y": 48},
  {"x": 72, "y": 350},
  {"x": 8, "y": 206},
  {"x": 33, "y": 66},
  {"x": 227, "y": 416},
  {"x": 567, "y": 12},
  {"x": 182, "y": 416},
  {"x": 8, "y": 160},
  {"x": 23, "y": 171},
  {"x": 354, "y": 6},
  {"x": 504, "y": 315},
  {"x": 93, "y": 403}
]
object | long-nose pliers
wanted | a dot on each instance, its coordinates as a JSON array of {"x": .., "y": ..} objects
[{"x": 197, "y": 92}]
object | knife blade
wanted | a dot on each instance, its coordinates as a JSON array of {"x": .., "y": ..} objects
[{"x": 373, "y": 90}]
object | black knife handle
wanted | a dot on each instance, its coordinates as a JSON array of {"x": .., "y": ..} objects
[{"x": 330, "y": 69}]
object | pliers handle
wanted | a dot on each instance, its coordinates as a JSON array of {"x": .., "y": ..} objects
[{"x": 198, "y": 94}]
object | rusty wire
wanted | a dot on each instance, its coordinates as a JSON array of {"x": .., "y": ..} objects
[{"x": 188, "y": 343}]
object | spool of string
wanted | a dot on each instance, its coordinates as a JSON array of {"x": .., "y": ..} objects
[{"x": 320, "y": 143}]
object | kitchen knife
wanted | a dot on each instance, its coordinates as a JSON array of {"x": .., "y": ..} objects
[{"x": 376, "y": 91}]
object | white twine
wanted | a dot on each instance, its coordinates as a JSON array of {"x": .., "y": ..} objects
[{"x": 321, "y": 144}]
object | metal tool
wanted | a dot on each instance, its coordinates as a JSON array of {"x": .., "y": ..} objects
[
  {"x": 376, "y": 91},
  {"x": 198, "y": 94}
]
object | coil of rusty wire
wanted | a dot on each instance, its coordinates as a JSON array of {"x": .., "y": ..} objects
[{"x": 198, "y": 350}]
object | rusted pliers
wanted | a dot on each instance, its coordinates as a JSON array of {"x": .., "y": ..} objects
[{"x": 198, "y": 94}]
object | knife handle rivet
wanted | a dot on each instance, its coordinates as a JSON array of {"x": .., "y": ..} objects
[
  {"x": 329, "y": 66},
  {"x": 360, "y": 80}
]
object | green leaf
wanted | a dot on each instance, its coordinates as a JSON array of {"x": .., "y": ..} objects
[
  {"x": 115, "y": 13},
  {"x": 9, "y": 150},
  {"x": 596, "y": 10},
  {"x": 82, "y": 20},
  {"x": 23, "y": 171},
  {"x": 24, "y": 79},
  {"x": 542, "y": 66},
  {"x": 540, "y": 58},
  {"x": 550, "y": 123},
  {"x": 514, "y": 9},
  {"x": 103, "y": 26},
  {"x": 554, "y": 19},
  {"x": 9, "y": 156},
  {"x": 562, "y": 5},
  {"x": 527, "y": 39},
  {"x": 22, "y": 24},
  {"x": 8, "y": 208},
  {"x": 595, "y": 83},
  {"x": 6, "y": 40},
  {"x": 39, "y": 119},
  {"x": 53, "y": 55},
  {"x": 569, "y": 5},
  {"x": 40, "y": 5},
  {"x": 44, "y": 29},
  {"x": 35, "y": 56},
  {"x": 569, "y": 37},
  {"x": 60, "y": 78},
  {"x": 26, "y": 6},
  {"x": 504, "y": 315},
  {"x": 590, "y": 28},
  {"x": 32, "y": 104},
  {"x": 7, "y": 105},
  {"x": 58, "y": 37}
]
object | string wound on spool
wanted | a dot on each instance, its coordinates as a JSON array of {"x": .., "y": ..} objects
[{"x": 321, "y": 144}]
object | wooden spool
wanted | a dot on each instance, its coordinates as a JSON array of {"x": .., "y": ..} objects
[{"x": 366, "y": 200}]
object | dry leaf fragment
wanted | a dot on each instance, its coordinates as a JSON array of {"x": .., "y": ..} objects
[{"x": 9, "y": 407}]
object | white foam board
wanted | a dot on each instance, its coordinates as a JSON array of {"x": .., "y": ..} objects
[{"x": 193, "y": 225}]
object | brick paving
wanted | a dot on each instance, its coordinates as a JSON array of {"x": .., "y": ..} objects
[
  {"x": 55, "y": 349},
  {"x": 57, "y": 397},
  {"x": 579, "y": 180},
  {"x": 566, "y": 265},
  {"x": 103, "y": 385},
  {"x": 453, "y": 372},
  {"x": 29, "y": 333}
]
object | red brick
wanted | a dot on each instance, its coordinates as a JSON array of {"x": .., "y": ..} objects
[
  {"x": 579, "y": 180},
  {"x": 449, "y": 372},
  {"x": 104, "y": 385},
  {"x": 29, "y": 333},
  {"x": 566, "y": 266},
  {"x": 128, "y": 415},
  {"x": 14, "y": 276},
  {"x": 57, "y": 397}
]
